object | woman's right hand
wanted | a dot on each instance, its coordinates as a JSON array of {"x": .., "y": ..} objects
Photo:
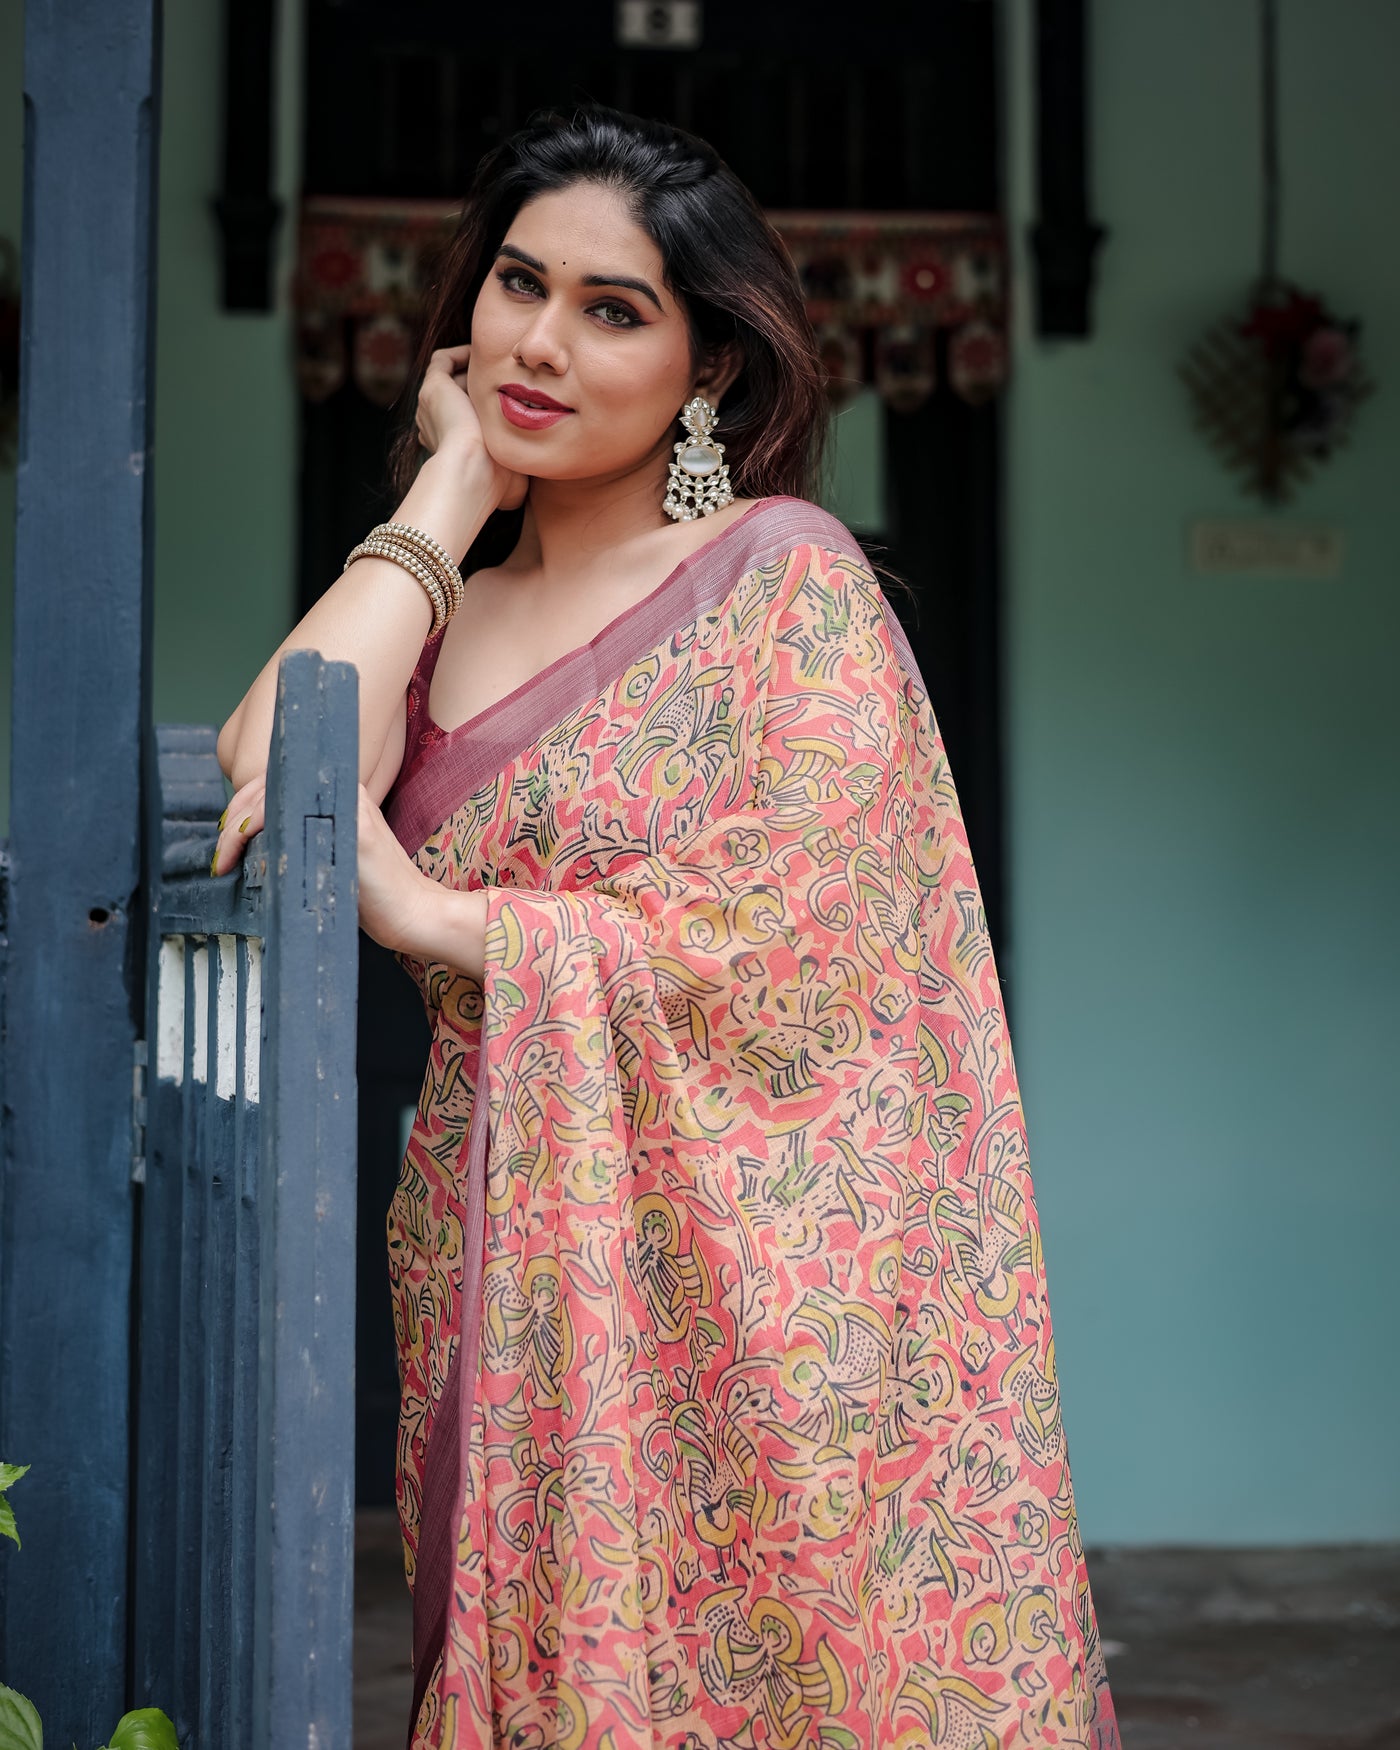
[{"x": 446, "y": 419}]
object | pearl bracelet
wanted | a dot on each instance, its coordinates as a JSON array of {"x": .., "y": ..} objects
[{"x": 422, "y": 557}]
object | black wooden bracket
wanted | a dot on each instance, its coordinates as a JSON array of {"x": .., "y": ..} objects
[
  {"x": 1064, "y": 239},
  {"x": 247, "y": 210}
]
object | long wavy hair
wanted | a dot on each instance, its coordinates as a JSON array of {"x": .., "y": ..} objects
[{"x": 722, "y": 261}]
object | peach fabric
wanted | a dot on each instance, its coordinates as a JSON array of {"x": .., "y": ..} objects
[{"x": 763, "y": 1444}]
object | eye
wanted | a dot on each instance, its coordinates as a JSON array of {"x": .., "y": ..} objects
[
  {"x": 613, "y": 314},
  {"x": 515, "y": 279}
]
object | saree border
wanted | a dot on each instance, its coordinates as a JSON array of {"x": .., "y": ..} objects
[
  {"x": 448, "y": 1436},
  {"x": 431, "y": 787}
]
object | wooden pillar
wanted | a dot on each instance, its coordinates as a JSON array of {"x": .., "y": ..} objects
[{"x": 80, "y": 702}]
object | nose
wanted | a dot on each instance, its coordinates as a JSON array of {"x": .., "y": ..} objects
[{"x": 541, "y": 345}]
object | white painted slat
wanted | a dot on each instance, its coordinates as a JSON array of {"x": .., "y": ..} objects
[
  {"x": 252, "y": 1023},
  {"x": 199, "y": 1056},
  {"x": 170, "y": 1010},
  {"x": 226, "y": 1018}
]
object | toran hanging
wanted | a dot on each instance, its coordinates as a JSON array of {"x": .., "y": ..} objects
[
  {"x": 1274, "y": 391},
  {"x": 880, "y": 287}
]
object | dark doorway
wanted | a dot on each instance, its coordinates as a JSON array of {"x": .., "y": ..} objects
[{"x": 893, "y": 109}]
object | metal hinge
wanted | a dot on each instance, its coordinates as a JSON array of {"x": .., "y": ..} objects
[{"x": 138, "y": 1112}]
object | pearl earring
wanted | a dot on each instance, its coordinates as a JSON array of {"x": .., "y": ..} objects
[{"x": 698, "y": 481}]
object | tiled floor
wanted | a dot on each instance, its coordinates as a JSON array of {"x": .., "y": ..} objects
[
  {"x": 383, "y": 1633},
  {"x": 1208, "y": 1649},
  {"x": 1291, "y": 1649}
]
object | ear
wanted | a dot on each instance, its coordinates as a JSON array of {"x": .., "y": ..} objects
[{"x": 717, "y": 375}]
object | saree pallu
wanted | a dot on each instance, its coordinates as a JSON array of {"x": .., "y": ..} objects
[{"x": 753, "y": 1436}]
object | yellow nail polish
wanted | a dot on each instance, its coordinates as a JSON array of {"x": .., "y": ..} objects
[
  {"x": 213, "y": 860},
  {"x": 243, "y": 824},
  {"x": 222, "y": 818}
]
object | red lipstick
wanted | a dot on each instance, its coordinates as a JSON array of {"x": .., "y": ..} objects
[{"x": 530, "y": 409}]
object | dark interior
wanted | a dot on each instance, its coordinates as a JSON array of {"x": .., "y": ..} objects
[{"x": 894, "y": 108}]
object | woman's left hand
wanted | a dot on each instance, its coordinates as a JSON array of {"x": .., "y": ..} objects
[
  {"x": 395, "y": 894},
  {"x": 401, "y": 908}
]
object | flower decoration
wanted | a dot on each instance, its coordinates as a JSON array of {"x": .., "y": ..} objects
[{"x": 1276, "y": 390}]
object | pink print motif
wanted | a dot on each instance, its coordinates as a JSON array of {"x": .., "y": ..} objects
[{"x": 764, "y": 1442}]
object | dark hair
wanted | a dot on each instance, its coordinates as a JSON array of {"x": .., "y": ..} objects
[{"x": 721, "y": 259}]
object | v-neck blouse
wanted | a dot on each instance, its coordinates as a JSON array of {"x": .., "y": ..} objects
[
  {"x": 441, "y": 767},
  {"x": 423, "y": 732}
]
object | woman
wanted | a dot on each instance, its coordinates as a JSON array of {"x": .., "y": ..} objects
[{"x": 729, "y": 1405}]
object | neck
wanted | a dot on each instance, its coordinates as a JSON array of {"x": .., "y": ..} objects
[{"x": 570, "y": 524}]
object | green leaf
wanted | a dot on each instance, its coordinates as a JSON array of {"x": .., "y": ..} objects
[
  {"x": 19, "y": 1722},
  {"x": 9, "y": 1473},
  {"x": 146, "y": 1729}
]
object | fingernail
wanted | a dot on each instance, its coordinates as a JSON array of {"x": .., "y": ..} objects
[
  {"x": 243, "y": 824},
  {"x": 213, "y": 860},
  {"x": 222, "y": 818}
]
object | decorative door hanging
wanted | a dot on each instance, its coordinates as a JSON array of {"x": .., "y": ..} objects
[
  {"x": 1274, "y": 391},
  {"x": 879, "y": 288}
]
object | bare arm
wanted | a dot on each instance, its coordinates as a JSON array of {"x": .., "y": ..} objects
[{"x": 376, "y": 614}]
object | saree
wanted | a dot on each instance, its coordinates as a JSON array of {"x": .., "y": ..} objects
[{"x": 729, "y": 1404}]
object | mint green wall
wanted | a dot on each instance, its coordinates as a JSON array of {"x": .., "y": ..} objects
[
  {"x": 225, "y": 444},
  {"x": 226, "y": 450},
  {"x": 1205, "y": 793}
]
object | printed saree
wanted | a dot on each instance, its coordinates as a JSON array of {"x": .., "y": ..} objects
[{"x": 729, "y": 1415}]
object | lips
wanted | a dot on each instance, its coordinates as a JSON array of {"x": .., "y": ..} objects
[{"x": 530, "y": 409}]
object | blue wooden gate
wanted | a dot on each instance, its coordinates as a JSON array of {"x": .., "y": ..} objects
[
  {"x": 243, "y": 1187},
  {"x": 177, "y": 1083},
  {"x": 244, "y": 1473}
]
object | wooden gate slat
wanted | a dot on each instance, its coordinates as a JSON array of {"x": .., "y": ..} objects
[
  {"x": 187, "y": 1432},
  {"x": 243, "y": 1494},
  {"x": 219, "y": 1286},
  {"x": 158, "y": 1337}
]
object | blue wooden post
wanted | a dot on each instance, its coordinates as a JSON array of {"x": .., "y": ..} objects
[
  {"x": 306, "y": 1413},
  {"x": 80, "y": 699}
]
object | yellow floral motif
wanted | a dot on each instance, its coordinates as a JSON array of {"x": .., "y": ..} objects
[
  {"x": 757, "y": 1659},
  {"x": 675, "y": 1281}
]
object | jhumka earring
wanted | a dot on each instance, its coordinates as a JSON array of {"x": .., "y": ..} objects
[{"x": 698, "y": 481}]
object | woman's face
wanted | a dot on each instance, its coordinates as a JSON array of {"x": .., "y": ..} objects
[{"x": 573, "y": 314}]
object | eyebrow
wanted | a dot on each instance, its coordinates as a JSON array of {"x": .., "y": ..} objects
[{"x": 589, "y": 279}]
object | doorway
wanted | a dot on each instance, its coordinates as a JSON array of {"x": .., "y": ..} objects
[{"x": 899, "y": 114}]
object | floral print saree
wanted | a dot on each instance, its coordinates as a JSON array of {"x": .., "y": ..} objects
[{"x": 729, "y": 1413}]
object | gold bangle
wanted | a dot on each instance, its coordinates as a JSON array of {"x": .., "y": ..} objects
[
  {"x": 418, "y": 538},
  {"x": 409, "y": 560},
  {"x": 425, "y": 558},
  {"x": 447, "y": 575},
  {"x": 432, "y": 551},
  {"x": 414, "y": 565}
]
